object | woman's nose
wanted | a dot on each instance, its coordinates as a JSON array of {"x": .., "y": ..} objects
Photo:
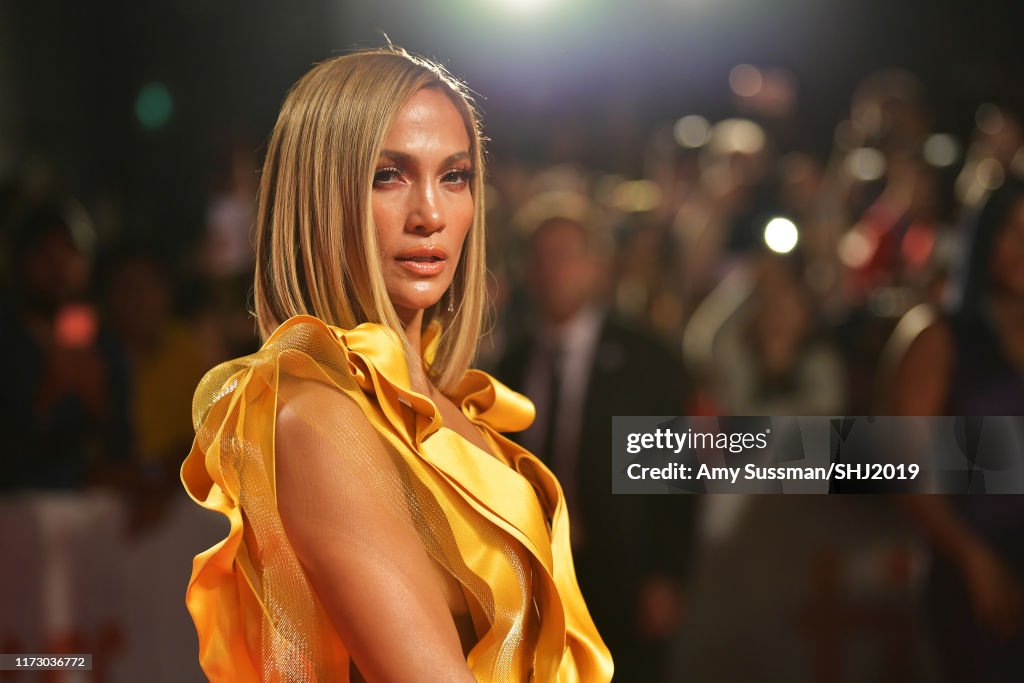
[{"x": 426, "y": 215}]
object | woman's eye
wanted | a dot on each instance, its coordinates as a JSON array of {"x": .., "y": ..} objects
[
  {"x": 386, "y": 176},
  {"x": 458, "y": 176}
]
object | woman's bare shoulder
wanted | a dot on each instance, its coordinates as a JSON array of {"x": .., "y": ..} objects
[
  {"x": 319, "y": 420},
  {"x": 920, "y": 383},
  {"x": 303, "y": 401},
  {"x": 932, "y": 343}
]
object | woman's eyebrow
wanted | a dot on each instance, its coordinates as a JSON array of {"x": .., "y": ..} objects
[
  {"x": 458, "y": 156},
  {"x": 408, "y": 159},
  {"x": 392, "y": 155}
]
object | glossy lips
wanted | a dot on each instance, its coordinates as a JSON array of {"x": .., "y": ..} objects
[{"x": 424, "y": 261}]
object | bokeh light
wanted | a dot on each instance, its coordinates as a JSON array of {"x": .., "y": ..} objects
[
  {"x": 737, "y": 136},
  {"x": 990, "y": 174},
  {"x": 989, "y": 119},
  {"x": 154, "y": 105},
  {"x": 857, "y": 247},
  {"x": 525, "y": 7},
  {"x": 781, "y": 235},
  {"x": 636, "y": 195},
  {"x": 941, "y": 150},
  {"x": 746, "y": 80},
  {"x": 866, "y": 164},
  {"x": 692, "y": 131}
]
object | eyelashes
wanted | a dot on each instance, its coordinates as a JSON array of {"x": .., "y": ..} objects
[
  {"x": 464, "y": 175},
  {"x": 392, "y": 174},
  {"x": 384, "y": 176}
]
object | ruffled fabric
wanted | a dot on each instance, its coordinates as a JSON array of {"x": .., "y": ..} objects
[{"x": 515, "y": 497}]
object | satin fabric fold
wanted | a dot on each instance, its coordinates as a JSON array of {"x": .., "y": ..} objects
[{"x": 487, "y": 501}]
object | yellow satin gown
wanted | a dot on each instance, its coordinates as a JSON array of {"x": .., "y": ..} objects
[{"x": 498, "y": 525}]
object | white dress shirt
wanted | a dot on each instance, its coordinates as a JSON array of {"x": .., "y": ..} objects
[{"x": 577, "y": 338}]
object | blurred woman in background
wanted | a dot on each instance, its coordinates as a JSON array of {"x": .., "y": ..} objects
[{"x": 970, "y": 362}]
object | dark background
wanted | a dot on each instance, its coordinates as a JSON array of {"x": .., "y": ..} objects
[{"x": 71, "y": 72}]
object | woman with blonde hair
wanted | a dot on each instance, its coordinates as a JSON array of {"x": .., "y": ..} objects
[{"x": 381, "y": 527}]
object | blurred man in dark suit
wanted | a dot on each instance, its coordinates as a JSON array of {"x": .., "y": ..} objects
[{"x": 581, "y": 367}]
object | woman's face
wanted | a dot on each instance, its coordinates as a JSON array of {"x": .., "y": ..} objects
[
  {"x": 1008, "y": 253},
  {"x": 422, "y": 204}
]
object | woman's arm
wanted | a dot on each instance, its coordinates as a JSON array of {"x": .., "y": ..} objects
[
  {"x": 921, "y": 387},
  {"x": 996, "y": 594},
  {"x": 341, "y": 500}
]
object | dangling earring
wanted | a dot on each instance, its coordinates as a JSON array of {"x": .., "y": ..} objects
[{"x": 451, "y": 298}]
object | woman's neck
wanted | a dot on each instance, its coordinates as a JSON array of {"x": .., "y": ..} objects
[{"x": 412, "y": 325}]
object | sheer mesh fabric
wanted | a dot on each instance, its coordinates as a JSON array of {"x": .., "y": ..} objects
[{"x": 391, "y": 492}]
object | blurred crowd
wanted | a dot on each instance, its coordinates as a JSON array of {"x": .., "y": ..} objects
[{"x": 731, "y": 275}]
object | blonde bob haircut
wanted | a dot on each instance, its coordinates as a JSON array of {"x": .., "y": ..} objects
[{"x": 316, "y": 244}]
